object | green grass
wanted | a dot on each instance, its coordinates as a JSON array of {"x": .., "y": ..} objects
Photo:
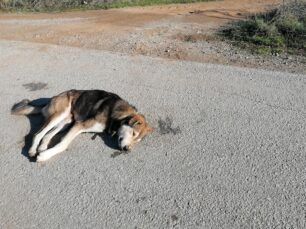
[
  {"x": 64, "y": 5},
  {"x": 280, "y": 30}
]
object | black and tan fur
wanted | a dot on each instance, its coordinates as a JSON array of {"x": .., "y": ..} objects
[{"x": 88, "y": 111}]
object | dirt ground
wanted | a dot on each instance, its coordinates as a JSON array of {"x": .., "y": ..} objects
[{"x": 184, "y": 31}]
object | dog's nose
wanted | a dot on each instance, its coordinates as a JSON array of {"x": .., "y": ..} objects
[{"x": 126, "y": 148}]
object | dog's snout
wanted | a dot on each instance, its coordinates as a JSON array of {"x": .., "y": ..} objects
[{"x": 126, "y": 148}]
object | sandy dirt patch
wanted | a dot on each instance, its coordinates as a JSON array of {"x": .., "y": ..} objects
[{"x": 178, "y": 31}]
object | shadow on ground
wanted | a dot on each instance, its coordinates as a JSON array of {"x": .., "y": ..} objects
[
  {"x": 36, "y": 122},
  {"x": 108, "y": 140}
]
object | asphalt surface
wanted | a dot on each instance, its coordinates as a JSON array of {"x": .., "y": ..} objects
[{"x": 228, "y": 149}]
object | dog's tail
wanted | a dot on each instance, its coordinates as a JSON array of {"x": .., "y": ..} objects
[{"x": 25, "y": 108}]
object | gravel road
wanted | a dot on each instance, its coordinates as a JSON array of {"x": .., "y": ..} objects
[{"x": 228, "y": 149}]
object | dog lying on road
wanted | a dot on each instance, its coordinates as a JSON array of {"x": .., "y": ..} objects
[{"x": 88, "y": 111}]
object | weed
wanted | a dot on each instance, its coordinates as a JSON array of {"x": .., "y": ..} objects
[
  {"x": 63, "y": 5},
  {"x": 282, "y": 29}
]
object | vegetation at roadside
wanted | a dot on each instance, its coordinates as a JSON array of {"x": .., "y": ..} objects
[
  {"x": 63, "y": 5},
  {"x": 280, "y": 30}
]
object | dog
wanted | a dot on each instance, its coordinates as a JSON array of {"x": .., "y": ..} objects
[{"x": 94, "y": 111}]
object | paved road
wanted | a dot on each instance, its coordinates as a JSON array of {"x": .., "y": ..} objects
[{"x": 228, "y": 150}]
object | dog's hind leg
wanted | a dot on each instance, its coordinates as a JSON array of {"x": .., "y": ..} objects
[
  {"x": 78, "y": 128},
  {"x": 50, "y": 123},
  {"x": 48, "y": 137}
]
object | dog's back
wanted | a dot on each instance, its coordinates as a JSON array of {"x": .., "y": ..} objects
[
  {"x": 92, "y": 102},
  {"x": 82, "y": 105}
]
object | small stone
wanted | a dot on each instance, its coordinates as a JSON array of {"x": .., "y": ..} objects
[{"x": 174, "y": 218}]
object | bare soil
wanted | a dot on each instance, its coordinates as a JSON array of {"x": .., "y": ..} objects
[{"x": 177, "y": 31}]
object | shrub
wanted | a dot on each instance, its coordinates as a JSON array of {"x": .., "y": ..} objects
[{"x": 282, "y": 29}]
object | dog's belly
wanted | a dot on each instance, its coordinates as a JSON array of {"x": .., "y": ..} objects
[{"x": 97, "y": 128}]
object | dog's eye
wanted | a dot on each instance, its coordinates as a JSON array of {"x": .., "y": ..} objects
[{"x": 134, "y": 134}]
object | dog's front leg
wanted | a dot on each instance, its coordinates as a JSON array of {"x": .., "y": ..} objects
[
  {"x": 51, "y": 122},
  {"x": 78, "y": 128},
  {"x": 48, "y": 137}
]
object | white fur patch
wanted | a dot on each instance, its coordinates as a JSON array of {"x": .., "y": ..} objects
[
  {"x": 96, "y": 128},
  {"x": 125, "y": 136}
]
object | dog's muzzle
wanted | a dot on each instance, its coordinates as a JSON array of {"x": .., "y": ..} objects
[{"x": 126, "y": 148}]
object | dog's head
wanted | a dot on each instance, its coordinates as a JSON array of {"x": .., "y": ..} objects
[{"x": 133, "y": 131}]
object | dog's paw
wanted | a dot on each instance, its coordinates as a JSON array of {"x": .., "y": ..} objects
[
  {"x": 32, "y": 152},
  {"x": 42, "y": 157},
  {"x": 42, "y": 147}
]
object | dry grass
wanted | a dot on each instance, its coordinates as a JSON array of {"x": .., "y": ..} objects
[
  {"x": 280, "y": 30},
  {"x": 61, "y": 5}
]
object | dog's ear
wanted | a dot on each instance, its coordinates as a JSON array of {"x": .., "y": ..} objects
[
  {"x": 122, "y": 110},
  {"x": 136, "y": 120}
]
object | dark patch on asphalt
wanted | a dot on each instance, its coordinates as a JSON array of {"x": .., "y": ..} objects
[
  {"x": 140, "y": 199},
  {"x": 117, "y": 153},
  {"x": 174, "y": 218},
  {"x": 165, "y": 127},
  {"x": 35, "y": 86},
  {"x": 145, "y": 212}
]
